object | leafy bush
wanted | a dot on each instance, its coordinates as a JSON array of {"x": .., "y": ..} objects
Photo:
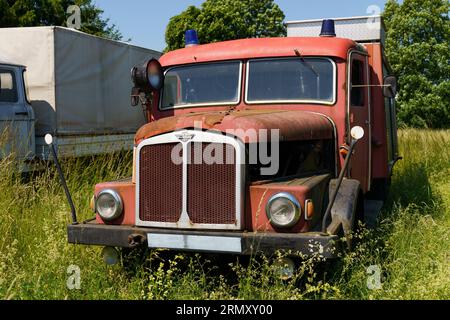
[
  {"x": 417, "y": 45},
  {"x": 227, "y": 20}
]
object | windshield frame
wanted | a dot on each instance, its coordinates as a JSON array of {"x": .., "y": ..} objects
[
  {"x": 304, "y": 101},
  {"x": 207, "y": 104}
]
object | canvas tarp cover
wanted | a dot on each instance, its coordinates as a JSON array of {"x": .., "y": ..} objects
[{"x": 77, "y": 83}]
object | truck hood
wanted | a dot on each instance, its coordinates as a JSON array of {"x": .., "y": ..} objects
[{"x": 292, "y": 125}]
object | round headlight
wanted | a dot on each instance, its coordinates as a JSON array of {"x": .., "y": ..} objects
[
  {"x": 283, "y": 210},
  {"x": 109, "y": 204}
]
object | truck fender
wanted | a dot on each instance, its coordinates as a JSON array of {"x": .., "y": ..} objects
[{"x": 343, "y": 211}]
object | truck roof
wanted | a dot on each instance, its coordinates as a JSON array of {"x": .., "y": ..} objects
[
  {"x": 260, "y": 48},
  {"x": 76, "y": 32},
  {"x": 3, "y": 62}
]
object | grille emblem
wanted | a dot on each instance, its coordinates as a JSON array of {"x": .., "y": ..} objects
[{"x": 185, "y": 136}]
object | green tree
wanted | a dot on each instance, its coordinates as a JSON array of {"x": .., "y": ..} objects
[
  {"x": 219, "y": 20},
  {"x": 28, "y": 13},
  {"x": 418, "y": 48}
]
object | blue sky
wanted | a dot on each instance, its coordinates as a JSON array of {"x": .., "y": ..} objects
[{"x": 144, "y": 21}]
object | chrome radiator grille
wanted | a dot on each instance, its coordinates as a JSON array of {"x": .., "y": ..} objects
[
  {"x": 192, "y": 194},
  {"x": 161, "y": 188},
  {"x": 211, "y": 189}
]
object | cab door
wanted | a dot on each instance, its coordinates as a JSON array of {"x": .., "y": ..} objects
[
  {"x": 359, "y": 115},
  {"x": 16, "y": 115}
]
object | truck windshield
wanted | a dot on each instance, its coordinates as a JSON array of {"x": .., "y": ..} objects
[
  {"x": 291, "y": 80},
  {"x": 202, "y": 84}
]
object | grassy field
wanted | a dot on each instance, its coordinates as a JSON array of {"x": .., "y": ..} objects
[{"x": 411, "y": 245}]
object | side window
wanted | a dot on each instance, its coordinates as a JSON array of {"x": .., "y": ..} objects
[
  {"x": 357, "y": 95},
  {"x": 171, "y": 92},
  {"x": 8, "y": 89}
]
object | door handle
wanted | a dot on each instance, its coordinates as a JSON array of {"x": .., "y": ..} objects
[{"x": 22, "y": 113}]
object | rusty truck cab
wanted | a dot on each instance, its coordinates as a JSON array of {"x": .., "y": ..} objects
[{"x": 275, "y": 116}]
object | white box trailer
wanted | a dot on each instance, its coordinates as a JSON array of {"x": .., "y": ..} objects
[
  {"x": 78, "y": 86},
  {"x": 360, "y": 29}
]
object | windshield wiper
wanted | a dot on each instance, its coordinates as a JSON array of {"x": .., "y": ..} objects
[
  {"x": 310, "y": 66},
  {"x": 306, "y": 63}
]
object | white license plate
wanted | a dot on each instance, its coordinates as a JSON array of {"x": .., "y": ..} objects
[{"x": 194, "y": 242}]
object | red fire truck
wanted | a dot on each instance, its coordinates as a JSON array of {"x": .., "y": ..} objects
[{"x": 295, "y": 138}]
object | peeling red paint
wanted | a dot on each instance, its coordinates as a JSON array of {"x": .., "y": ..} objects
[
  {"x": 293, "y": 125},
  {"x": 126, "y": 189},
  {"x": 260, "y": 48}
]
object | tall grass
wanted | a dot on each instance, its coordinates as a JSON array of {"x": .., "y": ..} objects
[
  {"x": 411, "y": 245},
  {"x": 412, "y": 242}
]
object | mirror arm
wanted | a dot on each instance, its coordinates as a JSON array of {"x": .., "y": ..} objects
[
  {"x": 370, "y": 85},
  {"x": 338, "y": 184},
  {"x": 146, "y": 103},
  {"x": 335, "y": 191}
]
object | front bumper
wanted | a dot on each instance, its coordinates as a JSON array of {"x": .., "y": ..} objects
[{"x": 244, "y": 243}]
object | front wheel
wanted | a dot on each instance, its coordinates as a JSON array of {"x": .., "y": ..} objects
[
  {"x": 132, "y": 258},
  {"x": 379, "y": 189},
  {"x": 358, "y": 223}
]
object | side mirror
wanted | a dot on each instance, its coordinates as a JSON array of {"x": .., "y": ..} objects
[
  {"x": 48, "y": 139},
  {"x": 390, "y": 86},
  {"x": 357, "y": 133}
]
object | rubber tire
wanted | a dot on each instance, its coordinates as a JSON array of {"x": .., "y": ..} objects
[{"x": 379, "y": 189}]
